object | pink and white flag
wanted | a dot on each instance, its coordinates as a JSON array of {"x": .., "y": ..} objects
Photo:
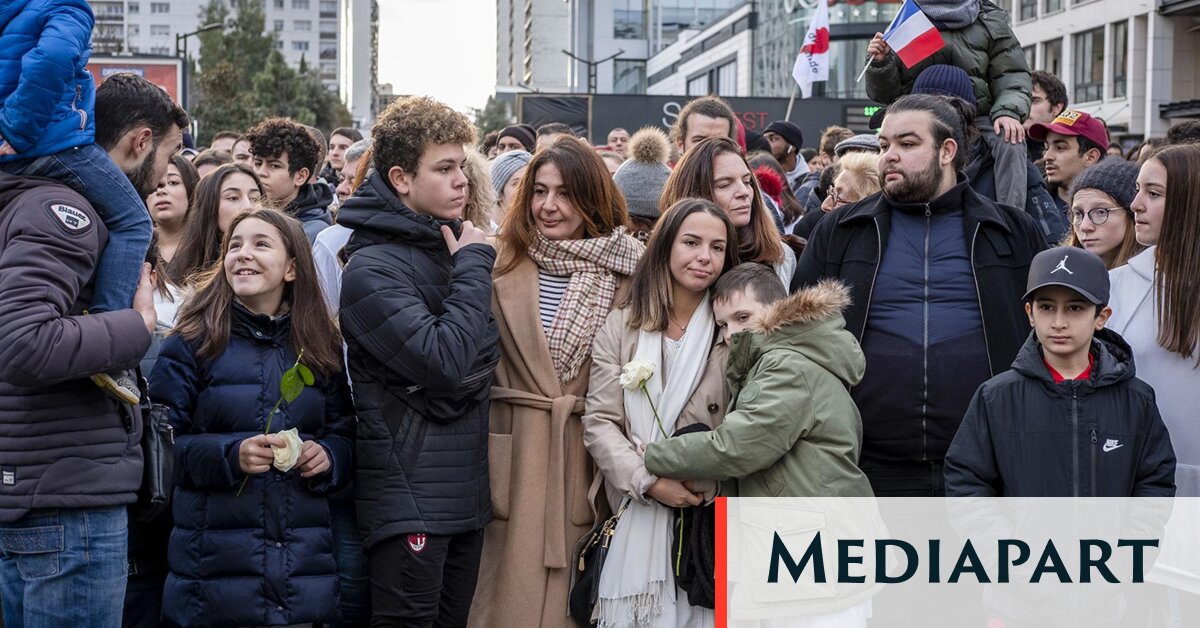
[
  {"x": 812, "y": 64},
  {"x": 912, "y": 35}
]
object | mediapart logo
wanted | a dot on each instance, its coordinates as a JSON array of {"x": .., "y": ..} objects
[{"x": 1094, "y": 554}]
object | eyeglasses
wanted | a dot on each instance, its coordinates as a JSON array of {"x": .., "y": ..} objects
[
  {"x": 1098, "y": 216},
  {"x": 841, "y": 197}
]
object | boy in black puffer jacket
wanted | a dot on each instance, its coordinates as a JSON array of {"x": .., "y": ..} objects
[
  {"x": 1070, "y": 419},
  {"x": 416, "y": 317}
]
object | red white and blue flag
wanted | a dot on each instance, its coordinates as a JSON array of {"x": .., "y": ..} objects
[
  {"x": 812, "y": 64},
  {"x": 912, "y": 35}
]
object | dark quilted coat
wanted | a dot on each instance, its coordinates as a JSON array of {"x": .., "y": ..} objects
[
  {"x": 422, "y": 346},
  {"x": 47, "y": 94},
  {"x": 264, "y": 557}
]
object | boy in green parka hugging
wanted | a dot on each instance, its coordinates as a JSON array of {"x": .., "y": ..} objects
[{"x": 792, "y": 429}]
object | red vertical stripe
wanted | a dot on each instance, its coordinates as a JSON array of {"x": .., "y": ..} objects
[
  {"x": 918, "y": 49},
  {"x": 722, "y": 565}
]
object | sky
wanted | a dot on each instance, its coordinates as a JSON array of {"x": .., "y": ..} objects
[{"x": 440, "y": 48}]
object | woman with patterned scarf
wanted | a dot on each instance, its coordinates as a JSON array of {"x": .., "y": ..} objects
[{"x": 564, "y": 261}]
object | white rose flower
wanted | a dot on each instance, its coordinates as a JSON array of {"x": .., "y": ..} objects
[
  {"x": 286, "y": 456},
  {"x": 635, "y": 373}
]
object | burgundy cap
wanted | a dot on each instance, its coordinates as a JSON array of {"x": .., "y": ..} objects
[{"x": 1073, "y": 122}]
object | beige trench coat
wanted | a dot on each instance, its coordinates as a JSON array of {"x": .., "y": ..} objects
[
  {"x": 540, "y": 470},
  {"x": 606, "y": 431}
]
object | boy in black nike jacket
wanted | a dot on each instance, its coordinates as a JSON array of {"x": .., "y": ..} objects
[{"x": 1069, "y": 419}]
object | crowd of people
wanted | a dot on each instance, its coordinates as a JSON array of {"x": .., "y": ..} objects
[{"x": 404, "y": 376}]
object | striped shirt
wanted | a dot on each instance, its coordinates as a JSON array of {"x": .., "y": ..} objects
[{"x": 550, "y": 293}]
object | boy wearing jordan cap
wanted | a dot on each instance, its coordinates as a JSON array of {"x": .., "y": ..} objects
[{"x": 1069, "y": 419}]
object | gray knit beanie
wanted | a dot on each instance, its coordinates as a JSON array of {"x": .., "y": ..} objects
[
  {"x": 1113, "y": 176},
  {"x": 642, "y": 178},
  {"x": 505, "y": 165}
]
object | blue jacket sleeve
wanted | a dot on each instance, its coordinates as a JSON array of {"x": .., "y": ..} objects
[
  {"x": 47, "y": 71},
  {"x": 204, "y": 461},
  {"x": 337, "y": 437},
  {"x": 384, "y": 314}
]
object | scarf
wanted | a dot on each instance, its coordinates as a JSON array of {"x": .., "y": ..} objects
[
  {"x": 950, "y": 14},
  {"x": 637, "y": 586},
  {"x": 591, "y": 263}
]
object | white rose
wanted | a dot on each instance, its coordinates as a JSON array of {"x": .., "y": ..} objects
[
  {"x": 286, "y": 456},
  {"x": 635, "y": 373}
]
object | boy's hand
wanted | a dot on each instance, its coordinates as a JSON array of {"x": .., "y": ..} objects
[
  {"x": 6, "y": 149},
  {"x": 878, "y": 49},
  {"x": 1010, "y": 130},
  {"x": 673, "y": 494},
  {"x": 470, "y": 235}
]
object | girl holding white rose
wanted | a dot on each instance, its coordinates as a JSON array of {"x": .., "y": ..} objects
[
  {"x": 252, "y": 544},
  {"x": 666, "y": 342}
]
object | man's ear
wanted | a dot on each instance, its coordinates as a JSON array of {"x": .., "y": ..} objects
[
  {"x": 948, "y": 151},
  {"x": 401, "y": 181},
  {"x": 300, "y": 177},
  {"x": 1093, "y": 155},
  {"x": 138, "y": 142}
]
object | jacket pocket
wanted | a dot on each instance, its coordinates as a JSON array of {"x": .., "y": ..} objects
[{"x": 500, "y": 471}]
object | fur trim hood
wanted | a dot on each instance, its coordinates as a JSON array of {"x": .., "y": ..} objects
[{"x": 824, "y": 300}]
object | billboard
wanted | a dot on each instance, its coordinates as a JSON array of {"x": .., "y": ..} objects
[
  {"x": 166, "y": 72},
  {"x": 593, "y": 116}
]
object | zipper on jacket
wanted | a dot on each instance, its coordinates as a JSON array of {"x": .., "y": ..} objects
[
  {"x": 874, "y": 276},
  {"x": 925, "y": 338},
  {"x": 1075, "y": 439},
  {"x": 74, "y": 107},
  {"x": 979, "y": 299},
  {"x": 1093, "y": 450}
]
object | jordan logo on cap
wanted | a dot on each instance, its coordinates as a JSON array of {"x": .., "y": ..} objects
[{"x": 1062, "y": 266}]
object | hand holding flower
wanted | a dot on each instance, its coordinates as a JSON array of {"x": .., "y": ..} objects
[
  {"x": 313, "y": 459},
  {"x": 255, "y": 454}
]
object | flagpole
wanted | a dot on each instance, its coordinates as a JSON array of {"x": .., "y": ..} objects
[
  {"x": 791, "y": 101},
  {"x": 864, "y": 70}
]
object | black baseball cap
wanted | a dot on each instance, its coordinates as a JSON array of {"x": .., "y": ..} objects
[{"x": 1070, "y": 267}]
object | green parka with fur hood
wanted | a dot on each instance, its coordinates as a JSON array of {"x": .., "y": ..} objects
[{"x": 792, "y": 429}]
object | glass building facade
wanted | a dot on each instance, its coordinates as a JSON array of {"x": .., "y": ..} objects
[{"x": 781, "y": 28}]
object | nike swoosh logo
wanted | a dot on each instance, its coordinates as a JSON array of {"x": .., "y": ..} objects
[{"x": 1107, "y": 448}]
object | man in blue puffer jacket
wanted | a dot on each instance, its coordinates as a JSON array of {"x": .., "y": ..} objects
[{"x": 47, "y": 103}]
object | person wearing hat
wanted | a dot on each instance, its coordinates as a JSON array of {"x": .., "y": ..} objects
[
  {"x": 642, "y": 178},
  {"x": 507, "y": 169},
  {"x": 786, "y": 140},
  {"x": 992, "y": 160},
  {"x": 862, "y": 143},
  {"x": 516, "y": 137},
  {"x": 1074, "y": 141},
  {"x": 1069, "y": 419},
  {"x": 1100, "y": 212}
]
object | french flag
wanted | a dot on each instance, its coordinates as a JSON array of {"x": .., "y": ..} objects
[{"x": 912, "y": 35}]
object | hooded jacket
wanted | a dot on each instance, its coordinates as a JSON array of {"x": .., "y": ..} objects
[
  {"x": 231, "y": 563},
  {"x": 1026, "y": 436},
  {"x": 986, "y": 48},
  {"x": 63, "y": 442},
  {"x": 311, "y": 208},
  {"x": 47, "y": 95},
  {"x": 792, "y": 429},
  {"x": 423, "y": 346}
]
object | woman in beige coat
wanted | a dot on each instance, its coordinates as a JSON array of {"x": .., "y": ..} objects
[
  {"x": 658, "y": 365},
  {"x": 564, "y": 261}
]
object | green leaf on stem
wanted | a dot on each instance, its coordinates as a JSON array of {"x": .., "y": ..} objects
[
  {"x": 291, "y": 385},
  {"x": 305, "y": 374}
]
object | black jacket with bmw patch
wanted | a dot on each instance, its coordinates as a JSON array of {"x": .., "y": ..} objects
[{"x": 1026, "y": 436}]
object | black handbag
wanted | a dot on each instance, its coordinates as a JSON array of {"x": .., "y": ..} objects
[
  {"x": 158, "y": 458},
  {"x": 592, "y": 551}
]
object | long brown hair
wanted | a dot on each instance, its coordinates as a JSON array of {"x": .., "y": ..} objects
[
  {"x": 206, "y": 316},
  {"x": 650, "y": 295},
  {"x": 1129, "y": 245},
  {"x": 201, "y": 243},
  {"x": 758, "y": 241},
  {"x": 589, "y": 186},
  {"x": 1178, "y": 252}
]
